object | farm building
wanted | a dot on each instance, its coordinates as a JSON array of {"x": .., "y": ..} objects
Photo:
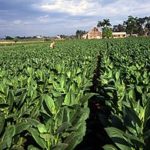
[
  {"x": 96, "y": 34},
  {"x": 119, "y": 34},
  {"x": 93, "y": 34}
]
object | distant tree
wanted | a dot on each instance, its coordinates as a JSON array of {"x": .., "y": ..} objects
[
  {"x": 147, "y": 26},
  {"x": 147, "y": 29},
  {"x": 105, "y": 26},
  {"x": 131, "y": 25},
  {"x": 140, "y": 26},
  {"x": 63, "y": 36},
  {"x": 107, "y": 32},
  {"x": 9, "y": 38},
  {"x": 79, "y": 33},
  {"x": 20, "y": 37},
  {"x": 119, "y": 28},
  {"x": 104, "y": 23}
]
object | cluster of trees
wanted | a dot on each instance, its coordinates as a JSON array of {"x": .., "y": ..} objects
[
  {"x": 79, "y": 33},
  {"x": 44, "y": 38},
  {"x": 133, "y": 25},
  {"x": 106, "y": 28},
  {"x": 18, "y": 37}
]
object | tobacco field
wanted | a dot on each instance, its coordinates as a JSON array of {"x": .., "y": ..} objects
[{"x": 81, "y": 95}]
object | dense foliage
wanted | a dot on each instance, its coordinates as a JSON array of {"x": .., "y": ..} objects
[
  {"x": 133, "y": 25},
  {"x": 107, "y": 32},
  {"x": 44, "y": 93},
  {"x": 125, "y": 88}
]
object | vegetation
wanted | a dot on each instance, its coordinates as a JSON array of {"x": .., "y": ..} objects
[
  {"x": 140, "y": 26},
  {"x": 133, "y": 25},
  {"x": 104, "y": 23},
  {"x": 107, "y": 32},
  {"x": 124, "y": 85},
  {"x": 79, "y": 33},
  {"x": 9, "y": 38},
  {"x": 119, "y": 28},
  {"x": 105, "y": 26},
  {"x": 46, "y": 95}
]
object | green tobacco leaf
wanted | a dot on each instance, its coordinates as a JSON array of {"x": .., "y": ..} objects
[
  {"x": 69, "y": 74},
  {"x": 46, "y": 136},
  {"x": 32, "y": 122},
  {"x": 70, "y": 99},
  {"x": 79, "y": 80},
  {"x": 86, "y": 97},
  {"x": 135, "y": 140},
  {"x": 67, "y": 100},
  {"x": 50, "y": 104},
  {"x": 63, "y": 127},
  {"x": 35, "y": 134},
  {"x": 11, "y": 99},
  {"x": 30, "y": 70},
  {"x": 8, "y": 136},
  {"x": 58, "y": 67},
  {"x": 147, "y": 112},
  {"x": 42, "y": 128},
  {"x": 139, "y": 89},
  {"x": 66, "y": 114},
  {"x": 109, "y": 147},
  {"x": 20, "y": 91},
  {"x": 20, "y": 127},
  {"x": 61, "y": 146},
  {"x": 132, "y": 118},
  {"x": 118, "y": 138},
  {"x": 31, "y": 147},
  {"x": 85, "y": 114},
  {"x": 71, "y": 141},
  {"x": 132, "y": 94},
  {"x": 117, "y": 75},
  {"x": 2, "y": 122},
  {"x": 22, "y": 98}
]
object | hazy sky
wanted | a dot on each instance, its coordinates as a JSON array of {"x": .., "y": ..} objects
[{"x": 52, "y": 17}]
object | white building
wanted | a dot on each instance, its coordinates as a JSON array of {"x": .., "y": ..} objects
[{"x": 119, "y": 34}]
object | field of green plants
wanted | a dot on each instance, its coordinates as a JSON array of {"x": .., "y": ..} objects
[{"x": 81, "y": 95}]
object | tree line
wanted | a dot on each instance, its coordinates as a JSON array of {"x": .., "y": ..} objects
[{"x": 133, "y": 25}]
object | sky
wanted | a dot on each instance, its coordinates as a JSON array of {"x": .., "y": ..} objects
[{"x": 55, "y": 17}]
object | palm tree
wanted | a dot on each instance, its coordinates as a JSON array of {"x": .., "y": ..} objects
[
  {"x": 100, "y": 24},
  {"x": 104, "y": 23},
  {"x": 105, "y": 26}
]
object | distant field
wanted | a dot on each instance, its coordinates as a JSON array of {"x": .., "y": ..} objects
[
  {"x": 9, "y": 42},
  {"x": 27, "y": 41}
]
